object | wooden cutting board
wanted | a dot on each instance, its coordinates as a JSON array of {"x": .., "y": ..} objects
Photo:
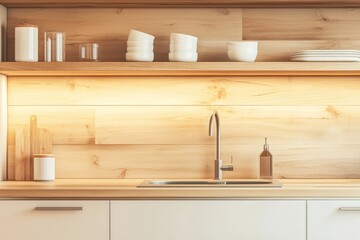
[{"x": 29, "y": 141}]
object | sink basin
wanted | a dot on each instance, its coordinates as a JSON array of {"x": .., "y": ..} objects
[{"x": 253, "y": 183}]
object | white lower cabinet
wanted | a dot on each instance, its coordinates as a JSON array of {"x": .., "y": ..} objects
[
  {"x": 55, "y": 220},
  {"x": 208, "y": 220},
  {"x": 334, "y": 220}
]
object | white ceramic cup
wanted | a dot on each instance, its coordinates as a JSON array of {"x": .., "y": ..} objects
[
  {"x": 183, "y": 57},
  {"x": 139, "y": 43},
  {"x": 140, "y": 57},
  {"x": 183, "y": 47},
  {"x": 143, "y": 48},
  {"x": 26, "y": 43},
  {"x": 44, "y": 167},
  {"x": 136, "y": 35},
  {"x": 242, "y": 51},
  {"x": 182, "y": 38}
]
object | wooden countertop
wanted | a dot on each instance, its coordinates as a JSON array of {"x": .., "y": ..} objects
[{"x": 126, "y": 189}]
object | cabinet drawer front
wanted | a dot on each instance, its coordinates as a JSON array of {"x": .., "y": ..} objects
[
  {"x": 55, "y": 220},
  {"x": 333, "y": 220},
  {"x": 210, "y": 220}
]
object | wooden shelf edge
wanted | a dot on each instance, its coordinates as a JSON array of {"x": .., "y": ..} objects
[
  {"x": 180, "y": 3},
  {"x": 181, "y": 69}
]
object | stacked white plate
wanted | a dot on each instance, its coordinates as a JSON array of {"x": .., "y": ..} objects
[{"x": 326, "y": 56}]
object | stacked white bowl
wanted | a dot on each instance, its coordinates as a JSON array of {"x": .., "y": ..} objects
[
  {"x": 242, "y": 51},
  {"x": 183, "y": 48},
  {"x": 140, "y": 47}
]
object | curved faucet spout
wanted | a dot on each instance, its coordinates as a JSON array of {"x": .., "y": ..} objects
[{"x": 215, "y": 115}]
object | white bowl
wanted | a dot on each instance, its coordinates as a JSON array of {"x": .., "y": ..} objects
[
  {"x": 183, "y": 47},
  {"x": 182, "y": 38},
  {"x": 143, "y": 48},
  {"x": 140, "y": 43},
  {"x": 183, "y": 57},
  {"x": 247, "y": 55},
  {"x": 136, "y": 35},
  {"x": 140, "y": 57}
]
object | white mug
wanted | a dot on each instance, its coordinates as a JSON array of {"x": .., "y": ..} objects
[{"x": 44, "y": 167}]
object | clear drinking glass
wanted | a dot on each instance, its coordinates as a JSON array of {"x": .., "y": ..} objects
[
  {"x": 89, "y": 52},
  {"x": 54, "y": 44}
]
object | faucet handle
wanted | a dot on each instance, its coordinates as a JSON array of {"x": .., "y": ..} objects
[{"x": 228, "y": 167}]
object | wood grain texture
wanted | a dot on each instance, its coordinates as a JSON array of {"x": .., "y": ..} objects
[
  {"x": 110, "y": 27},
  {"x": 22, "y": 155},
  {"x": 293, "y": 125},
  {"x": 69, "y": 125},
  {"x": 301, "y": 24},
  {"x": 180, "y": 3},
  {"x": 196, "y": 161},
  {"x": 170, "y": 91}
]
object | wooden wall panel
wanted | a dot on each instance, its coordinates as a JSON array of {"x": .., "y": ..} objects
[
  {"x": 110, "y": 26},
  {"x": 240, "y": 125},
  {"x": 70, "y": 125},
  {"x": 170, "y": 91},
  {"x": 301, "y": 24},
  {"x": 196, "y": 161}
]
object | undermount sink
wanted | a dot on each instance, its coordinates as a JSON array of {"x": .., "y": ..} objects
[{"x": 212, "y": 183}]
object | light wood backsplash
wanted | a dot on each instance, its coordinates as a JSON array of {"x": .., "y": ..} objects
[
  {"x": 156, "y": 127},
  {"x": 135, "y": 127}
]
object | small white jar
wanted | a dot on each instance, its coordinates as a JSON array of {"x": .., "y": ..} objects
[
  {"x": 26, "y": 43},
  {"x": 44, "y": 167}
]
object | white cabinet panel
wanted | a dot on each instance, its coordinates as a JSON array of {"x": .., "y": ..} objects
[
  {"x": 333, "y": 220},
  {"x": 208, "y": 220},
  {"x": 19, "y": 220}
]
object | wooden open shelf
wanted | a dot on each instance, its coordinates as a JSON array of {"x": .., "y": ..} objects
[
  {"x": 180, "y": 3},
  {"x": 181, "y": 69}
]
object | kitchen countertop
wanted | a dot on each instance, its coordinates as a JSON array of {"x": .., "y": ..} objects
[{"x": 127, "y": 189}]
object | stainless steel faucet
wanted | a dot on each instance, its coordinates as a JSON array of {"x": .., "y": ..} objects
[{"x": 219, "y": 167}]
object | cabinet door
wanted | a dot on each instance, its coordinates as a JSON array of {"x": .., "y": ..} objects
[
  {"x": 333, "y": 220},
  {"x": 55, "y": 220},
  {"x": 208, "y": 220}
]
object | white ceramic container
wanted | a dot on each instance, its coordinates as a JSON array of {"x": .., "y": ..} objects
[
  {"x": 26, "y": 43},
  {"x": 242, "y": 51},
  {"x": 44, "y": 167},
  {"x": 183, "y": 38},
  {"x": 136, "y": 35},
  {"x": 144, "y": 48},
  {"x": 140, "y": 43},
  {"x": 183, "y": 47},
  {"x": 140, "y": 57},
  {"x": 183, "y": 57}
]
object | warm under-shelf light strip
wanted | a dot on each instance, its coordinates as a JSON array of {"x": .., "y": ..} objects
[{"x": 3, "y": 126}]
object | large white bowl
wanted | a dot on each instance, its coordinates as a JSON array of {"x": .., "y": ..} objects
[
  {"x": 143, "y": 48},
  {"x": 180, "y": 38},
  {"x": 140, "y": 43},
  {"x": 246, "y": 55},
  {"x": 140, "y": 57},
  {"x": 136, "y": 35},
  {"x": 183, "y": 47},
  {"x": 183, "y": 57}
]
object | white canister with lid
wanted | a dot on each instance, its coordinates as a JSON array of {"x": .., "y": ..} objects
[
  {"x": 26, "y": 43},
  {"x": 44, "y": 167}
]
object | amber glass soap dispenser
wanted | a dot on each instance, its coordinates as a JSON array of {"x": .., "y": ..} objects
[{"x": 266, "y": 163}]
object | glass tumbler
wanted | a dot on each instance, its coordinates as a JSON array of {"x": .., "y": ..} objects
[
  {"x": 54, "y": 47},
  {"x": 89, "y": 52}
]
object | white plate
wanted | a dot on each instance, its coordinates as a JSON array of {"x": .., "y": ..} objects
[
  {"x": 324, "y": 55},
  {"x": 328, "y": 52},
  {"x": 326, "y": 59}
]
